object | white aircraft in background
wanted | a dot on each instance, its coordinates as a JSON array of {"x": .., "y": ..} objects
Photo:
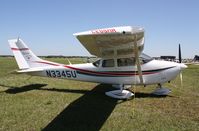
[{"x": 121, "y": 62}]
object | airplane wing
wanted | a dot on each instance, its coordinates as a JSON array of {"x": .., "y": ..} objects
[{"x": 112, "y": 42}]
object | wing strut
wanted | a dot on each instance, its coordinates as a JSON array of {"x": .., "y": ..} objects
[{"x": 138, "y": 61}]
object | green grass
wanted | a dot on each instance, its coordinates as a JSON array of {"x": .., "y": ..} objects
[{"x": 37, "y": 103}]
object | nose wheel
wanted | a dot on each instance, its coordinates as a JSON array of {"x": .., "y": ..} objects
[{"x": 161, "y": 91}]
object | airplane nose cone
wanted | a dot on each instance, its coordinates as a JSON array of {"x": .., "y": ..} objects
[{"x": 182, "y": 66}]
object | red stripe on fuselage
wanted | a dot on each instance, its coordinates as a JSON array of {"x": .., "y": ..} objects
[
  {"x": 95, "y": 72},
  {"x": 100, "y": 73},
  {"x": 48, "y": 63}
]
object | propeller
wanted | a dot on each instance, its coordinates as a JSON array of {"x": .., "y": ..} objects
[
  {"x": 181, "y": 66},
  {"x": 179, "y": 54}
]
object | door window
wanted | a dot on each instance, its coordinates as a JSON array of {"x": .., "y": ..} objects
[{"x": 108, "y": 63}]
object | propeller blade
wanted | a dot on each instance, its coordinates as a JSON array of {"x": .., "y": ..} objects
[
  {"x": 179, "y": 55},
  {"x": 182, "y": 66}
]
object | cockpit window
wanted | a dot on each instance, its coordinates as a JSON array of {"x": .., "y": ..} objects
[
  {"x": 108, "y": 63},
  {"x": 131, "y": 61},
  {"x": 125, "y": 62},
  {"x": 97, "y": 63}
]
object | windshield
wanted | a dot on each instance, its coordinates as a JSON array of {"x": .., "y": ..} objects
[{"x": 145, "y": 58}]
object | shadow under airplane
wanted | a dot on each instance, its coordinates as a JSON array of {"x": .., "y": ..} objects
[
  {"x": 88, "y": 112},
  {"x": 144, "y": 95},
  {"x": 15, "y": 90}
]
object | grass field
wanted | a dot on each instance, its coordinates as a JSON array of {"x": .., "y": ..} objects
[{"x": 36, "y": 103}]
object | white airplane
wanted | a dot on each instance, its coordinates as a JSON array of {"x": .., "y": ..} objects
[{"x": 121, "y": 62}]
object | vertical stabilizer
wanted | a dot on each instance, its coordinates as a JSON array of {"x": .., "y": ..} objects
[{"x": 24, "y": 56}]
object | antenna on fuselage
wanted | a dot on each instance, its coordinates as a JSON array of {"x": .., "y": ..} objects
[
  {"x": 18, "y": 39},
  {"x": 68, "y": 61}
]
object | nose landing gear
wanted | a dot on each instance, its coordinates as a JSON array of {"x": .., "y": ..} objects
[{"x": 161, "y": 91}]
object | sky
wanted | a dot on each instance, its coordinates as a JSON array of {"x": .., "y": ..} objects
[{"x": 47, "y": 26}]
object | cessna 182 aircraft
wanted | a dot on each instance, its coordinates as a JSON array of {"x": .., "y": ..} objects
[{"x": 121, "y": 62}]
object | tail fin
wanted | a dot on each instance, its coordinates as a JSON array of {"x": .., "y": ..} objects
[{"x": 24, "y": 56}]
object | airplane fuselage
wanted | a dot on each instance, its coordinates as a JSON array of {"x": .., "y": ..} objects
[{"x": 154, "y": 72}]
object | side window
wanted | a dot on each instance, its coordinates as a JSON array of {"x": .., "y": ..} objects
[
  {"x": 125, "y": 62},
  {"x": 108, "y": 63}
]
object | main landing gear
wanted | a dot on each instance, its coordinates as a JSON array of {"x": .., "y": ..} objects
[
  {"x": 120, "y": 94},
  {"x": 161, "y": 91}
]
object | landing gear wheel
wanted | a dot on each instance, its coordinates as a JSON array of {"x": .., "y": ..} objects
[
  {"x": 120, "y": 94},
  {"x": 161, "y": 91}
]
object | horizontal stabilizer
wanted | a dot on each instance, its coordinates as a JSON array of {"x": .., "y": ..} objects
[{"x": 30, "y": 70}]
